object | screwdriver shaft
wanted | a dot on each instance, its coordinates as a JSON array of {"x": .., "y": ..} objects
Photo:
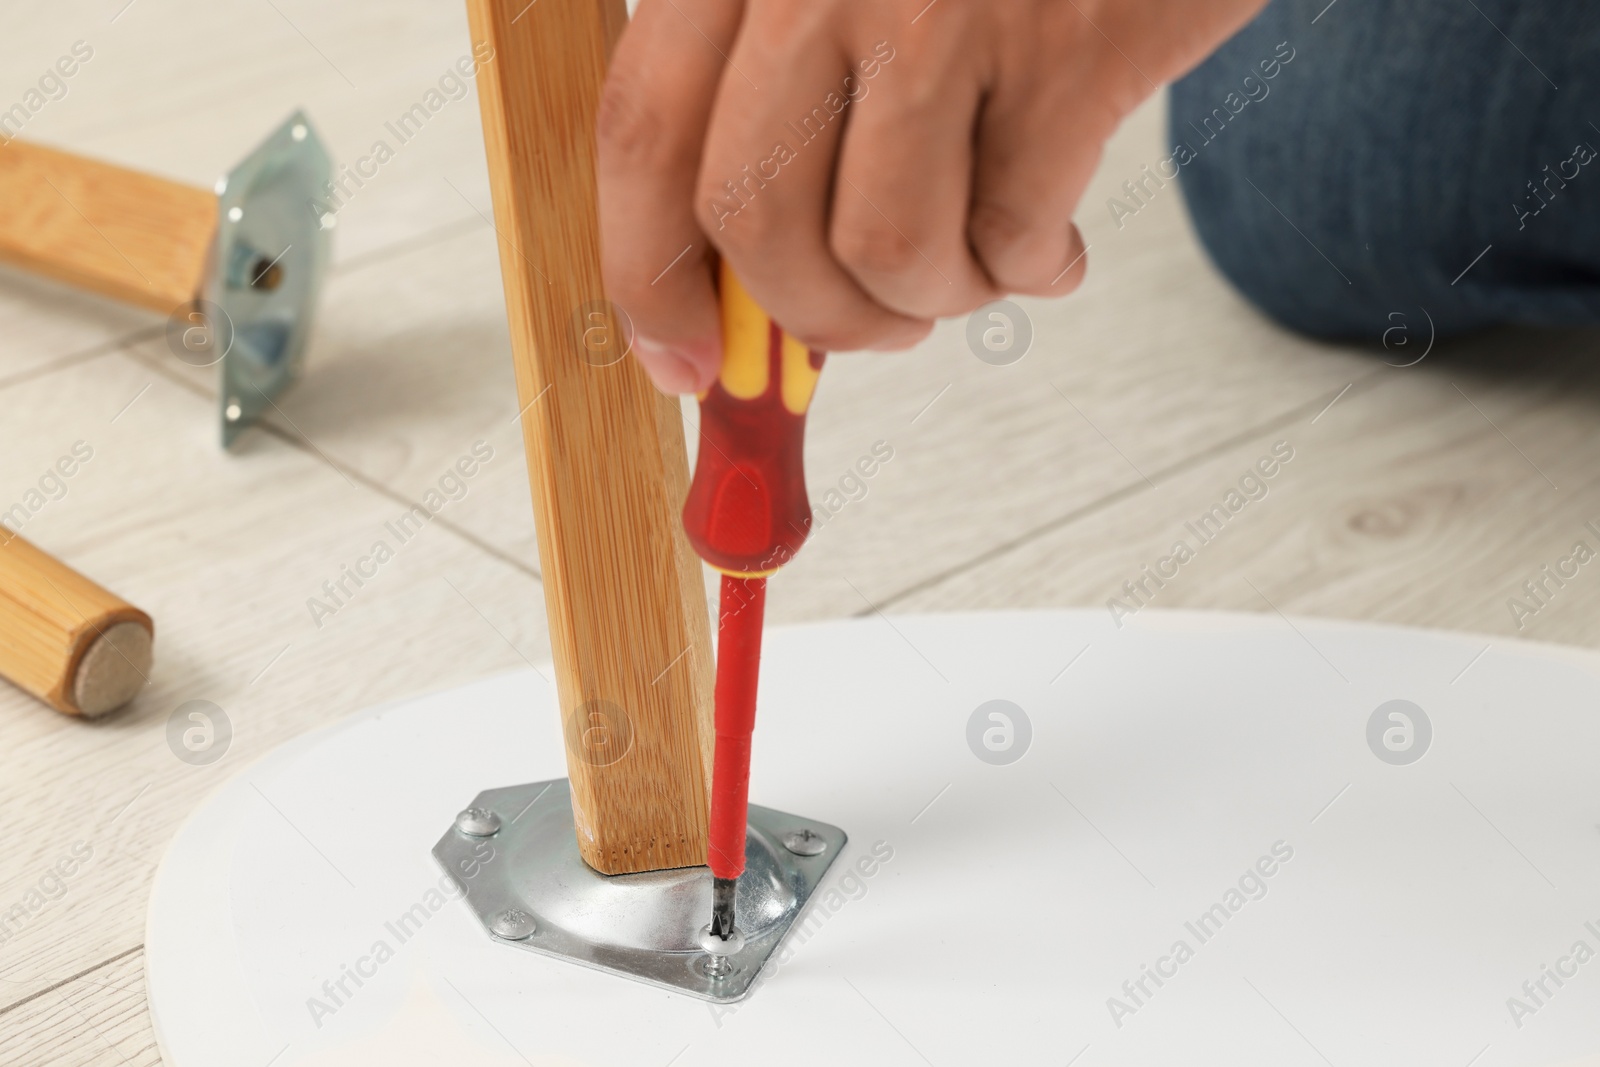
[{"x": 741, "y": 606}]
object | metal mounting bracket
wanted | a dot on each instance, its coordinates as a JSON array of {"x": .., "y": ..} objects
[
  {"x": 514, "y": 856},
  {"x": 271, "y": 251}
]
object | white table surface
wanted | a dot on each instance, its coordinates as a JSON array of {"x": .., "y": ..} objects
[{"x": 1424, "y": 496}]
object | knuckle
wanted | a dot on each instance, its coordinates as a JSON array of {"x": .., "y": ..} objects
[
  {"x": 733, "y": 224},
  {"x": 908, "y": 275},
  {"x": 996, "y": 225},
  {"x": 779, "y": 25},
  {"x": 1018, "y": 254},
  {"x": 923, "y": 92},
  {"x": 874, "y": 250}
]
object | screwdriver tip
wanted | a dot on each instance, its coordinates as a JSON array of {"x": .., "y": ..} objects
[{"x": 722, "y": 896}]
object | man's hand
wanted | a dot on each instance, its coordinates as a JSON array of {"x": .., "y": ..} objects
[{"x": 865, "y": 166}]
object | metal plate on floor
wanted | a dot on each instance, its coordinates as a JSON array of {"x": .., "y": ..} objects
[
  {"x": 274, "y": 238},
  {"x": 514, "y": 855}
]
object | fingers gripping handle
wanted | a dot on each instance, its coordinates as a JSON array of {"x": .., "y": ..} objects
[{"x": 747, "y": 512}]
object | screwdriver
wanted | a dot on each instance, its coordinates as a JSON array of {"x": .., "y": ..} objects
[{"x": 746, "y": 515}]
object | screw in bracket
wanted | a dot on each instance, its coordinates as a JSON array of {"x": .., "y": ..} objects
[
  {"x": 718, "y": 961},
  {"x": 478, "y": 822},
  {"x": 514, "y": 924},
  {"x": 805, "y": 842}
]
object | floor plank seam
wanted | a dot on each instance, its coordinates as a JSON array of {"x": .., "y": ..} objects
[
  {"x": 1127, "y": 492},
  {"x": 147, "y": 333},
  {"x": 437, "y": 235},
  {"x": 73, "y": 359},
  {"x": 31, "y": 997},
  {"x": 303, "y": 445}
]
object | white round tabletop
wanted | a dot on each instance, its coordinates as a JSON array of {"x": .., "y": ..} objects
[{"x": 1197, "y": 838}]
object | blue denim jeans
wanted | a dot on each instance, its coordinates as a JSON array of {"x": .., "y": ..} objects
[{"x": 1442, "y": 154}]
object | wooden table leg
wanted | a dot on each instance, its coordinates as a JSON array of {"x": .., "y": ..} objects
[
  {"x": 76, "y": 646},
  {"x": 121, "y": 233},
  {"x": 629, "y": 625}
]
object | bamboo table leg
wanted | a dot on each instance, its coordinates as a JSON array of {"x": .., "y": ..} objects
[
  {"x": 130, "y": 236},
  {"x": 629, "y": 626},
  {"x": 75, "y": 646}
]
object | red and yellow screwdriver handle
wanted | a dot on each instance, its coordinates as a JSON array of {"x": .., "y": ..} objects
[{"x": 747, "y": 512}]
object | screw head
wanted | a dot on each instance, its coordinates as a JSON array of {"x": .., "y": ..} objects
[
  {"x": 514, "y": 924},
  {"x": 235, "y": 213},
  {"x": 233, "y": 412},
  {"x": 718, "y": 960},
  {"x": 478, "y": 822},
  {"x": 716, "y": 946},
  {"x": 805, "y": 842}
]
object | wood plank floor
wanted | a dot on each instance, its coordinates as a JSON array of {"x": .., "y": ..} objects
[{"x": 1424, "y": 495}]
